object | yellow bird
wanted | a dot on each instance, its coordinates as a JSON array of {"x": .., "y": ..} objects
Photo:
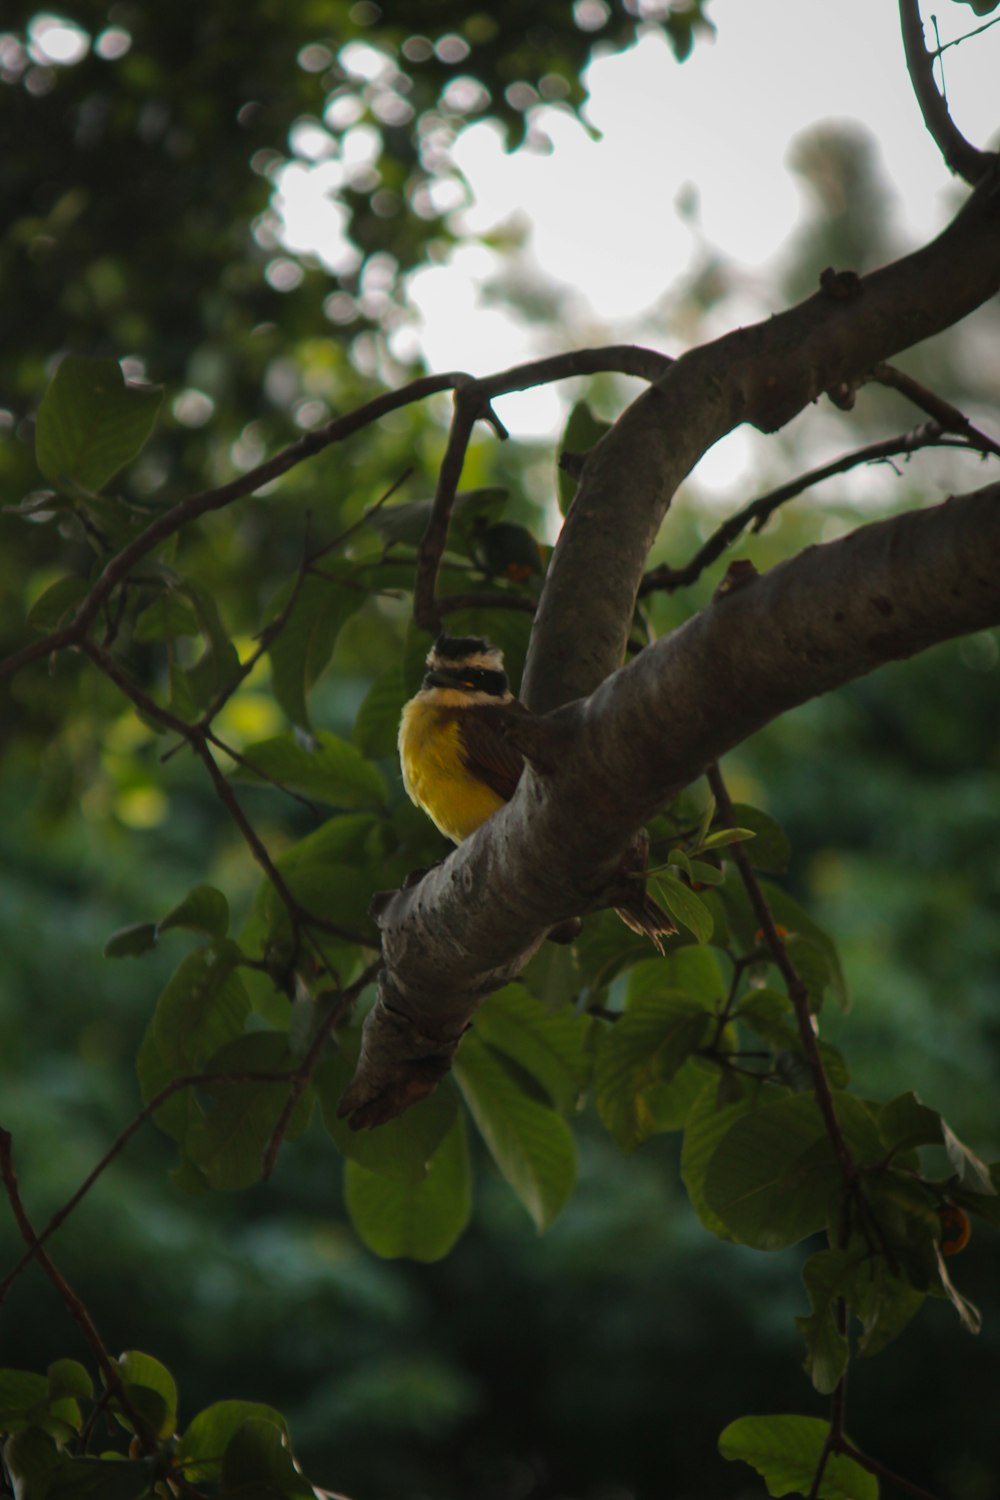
[{"x": 459, "y": 767}]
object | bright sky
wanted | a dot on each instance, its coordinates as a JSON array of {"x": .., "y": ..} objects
[{"x": 604, "y": 213}]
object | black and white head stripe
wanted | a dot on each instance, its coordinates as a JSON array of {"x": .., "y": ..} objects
[{"x": 465, "y": 651}]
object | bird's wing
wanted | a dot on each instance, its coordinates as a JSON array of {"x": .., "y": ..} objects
[{"x": 487, "y": 753}]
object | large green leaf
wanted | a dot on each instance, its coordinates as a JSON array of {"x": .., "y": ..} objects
[
  {"x": 639, "y": 1055},
  {"x": 59, "y": 599},
  {"x": 786, "y": 1451},
  {"x": 530, "y": 1143},
  {"x": 319, "y": 606},
  {"x": 769, "y": 848},
  {"x": 30, "y": 1456},
  {"x": 682, "y": 904},
  {"x": 258, "y": 1464},
  {"x": 907, "y": 1121},
  {"x": 322, "y": 766},
  {"x": 420, "y": 1220},
  {"x": 827, "y": 1349},
  {"x": 708, "y": 1121},
  {"x": 773, "y": 1175},
  {"x": 203, "y": 1006},
  {"x": 551, "y": 1045},
  {"x": 376, "y": 725},
  {"x": 151, "y": 1388},
  {"x": 228, "y": 1144},
  {"x": 209, "y": 1434},
  {"x": 402, "y": 1149},
  {"x": 202, "y": 910},
  {"x": 91, "y": 424}
]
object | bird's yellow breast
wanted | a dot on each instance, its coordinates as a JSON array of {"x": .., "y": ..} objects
[{"x": 434, "y": 772}]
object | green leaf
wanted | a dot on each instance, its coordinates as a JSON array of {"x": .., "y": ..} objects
[
  {"x": 882, "y": 1300},
  {"x": 800, "y": 925},
  {"x": 142, "y": 1373},
  {"x": 59, "y": 599},
  {"x": 773, "y": 1175},
  {"x": 302, "y": 649},
  {"x": 786, "y": 1451},
  {"x": 112, "y": 1478},
  {"x": 551, "y": 1045},
  {"x": 582, "y": 432},
  {"x": 333, "y": 892},
  {"x": 530, "y": 1143},
  {"x": 723, "y": 836},
  {"x": 907, "y": 1121},
  {"x": 376, "y": 726},
  {"x": 420, "y": 1220},
  {"x": 770, "y": 850},
  {"x": 30, "y": 1457},
  {"x": 132, "y": 941},
  {"x": 968, "y": 1312},
  {"x": 402, "y": 1149},
  {"x": 325, "y": 767},
  {"x": 91, "y": 424},
  {"x": 406, "y": 523},
  {"x": 20, "y": 1392},
  {"x": 168, "y": 617},
  {"x": 67, "y": 1377},
  {"x": 258, "y": 1464},
  {"x": 708, "y": 1121},
  {"x": 203, "y": 1006},
  {"x": 209, "y": 1434},
  {"x": 827, "y": 1348},
  {"x": 228, "y": 1143},
  {"x": 203, "y": 910},
  {"x": 642, "y": 1051},
  {"x": 682, "y": 904},
  {"x": 694, "y": 969}
]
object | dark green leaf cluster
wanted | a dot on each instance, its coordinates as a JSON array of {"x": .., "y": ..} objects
[{"x": 65, "y": 1438}]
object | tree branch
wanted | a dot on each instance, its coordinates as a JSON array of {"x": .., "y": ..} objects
[
  {"x": 764, "y": 374},
  {"x": 759, "y": 511},
  {"x": 90, "y": 1332},
  {"x": 960, "y": 155},
  {"x": 815, "y": 622}
]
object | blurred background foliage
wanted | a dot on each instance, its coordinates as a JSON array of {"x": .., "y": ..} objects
[{"x": 142, "y": 180}]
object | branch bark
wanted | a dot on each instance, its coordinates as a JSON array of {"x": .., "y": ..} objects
[
  {"x": 960, "y": 155},
  {"x": 765, "y": 375},
  {"x": 815, "y": 622}
]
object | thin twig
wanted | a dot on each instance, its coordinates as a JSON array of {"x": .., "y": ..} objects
[
  {"x": 966, "y": 36},
  {"x": 69, "y": 1297},
  {"x": 946, "y": 416},
  {"x": 197, "y": 738},
  {"x": 486, "y": 599},
  {"x": 468, "y": 406},
  {"x": 797, "y": 989},
  {"x": 472, "y": 400},
  {"x": 759, "y": 511},
  {"x": 191, "y": 1080},
  {"x": 180, "y": 515},
  {"x": 303, "y": 1074},
  {"x": 960, "y": 155},
  {"x": 881, "y": 1472}
]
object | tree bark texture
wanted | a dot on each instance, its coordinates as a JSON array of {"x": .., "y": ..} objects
[{"x": 625, "y": 741}]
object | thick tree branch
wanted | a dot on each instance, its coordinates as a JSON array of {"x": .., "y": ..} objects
[
  {"x": 817, "y": 621},
  {"x": 960, "y": 155},
  {"x": 764, "y": 375}
]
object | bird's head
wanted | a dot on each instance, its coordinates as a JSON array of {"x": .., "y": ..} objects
[{"x": 467, "y": 664}]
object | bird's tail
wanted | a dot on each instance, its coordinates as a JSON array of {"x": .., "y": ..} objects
[{"x": 644, "y": 916}]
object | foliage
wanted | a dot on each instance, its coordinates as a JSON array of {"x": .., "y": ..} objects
[{"x": 256, "y": 1028}]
